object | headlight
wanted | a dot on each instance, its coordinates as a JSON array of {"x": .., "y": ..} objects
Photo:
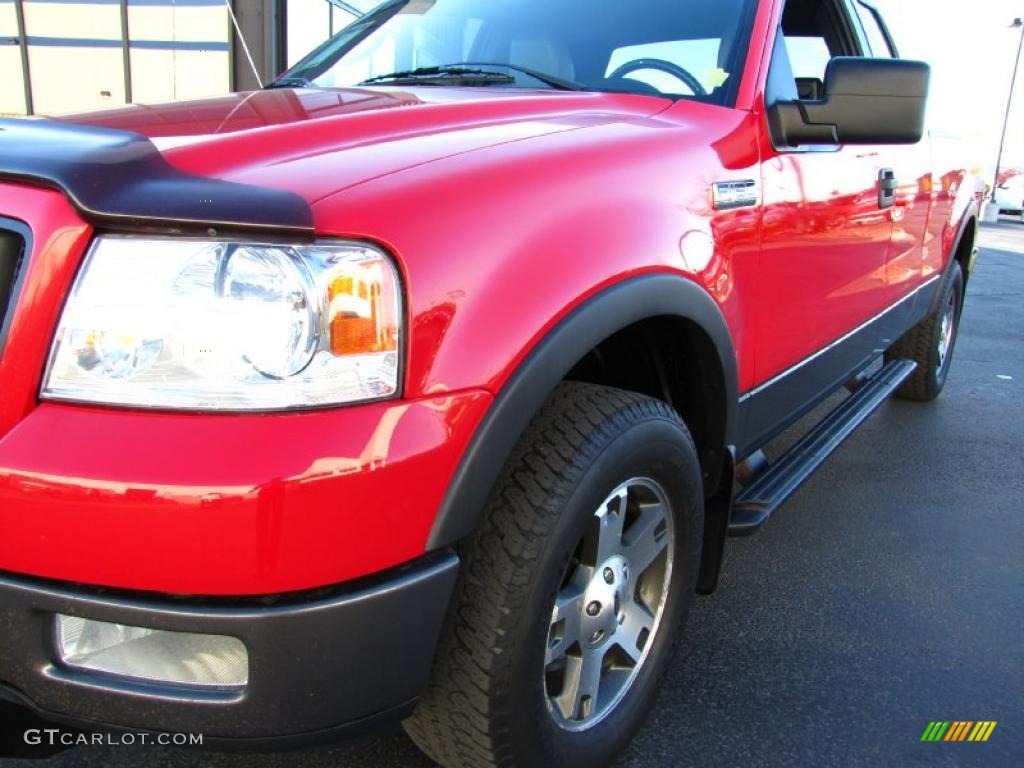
[{"x": 192, "y": 324}]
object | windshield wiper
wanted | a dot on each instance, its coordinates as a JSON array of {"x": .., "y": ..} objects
[
  {"x": 291, "y": 82},
  {"x": 443, "y": 76},
  {"x": 559, "y": 83}
]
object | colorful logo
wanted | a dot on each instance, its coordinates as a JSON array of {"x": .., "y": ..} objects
[{"x": 959, "y": 730}]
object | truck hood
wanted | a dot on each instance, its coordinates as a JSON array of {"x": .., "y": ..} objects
[{"x": 318, "y": 142}]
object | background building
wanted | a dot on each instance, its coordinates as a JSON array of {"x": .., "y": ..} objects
[{"x": 59, "y": 56}]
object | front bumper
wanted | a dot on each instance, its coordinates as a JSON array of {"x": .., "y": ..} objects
[
  {"x": 320, "y": 663},
  {"x": 214, "y": 504}
]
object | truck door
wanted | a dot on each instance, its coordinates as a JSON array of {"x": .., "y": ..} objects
[
  {"x": 826, "y": 230},
  {"x": 914, "y": 188}
]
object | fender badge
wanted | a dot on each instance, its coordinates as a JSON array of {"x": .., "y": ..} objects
[{"x": 726, "y": 195}]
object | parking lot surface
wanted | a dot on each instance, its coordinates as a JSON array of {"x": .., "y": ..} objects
[{"x": 888, "y": 593}]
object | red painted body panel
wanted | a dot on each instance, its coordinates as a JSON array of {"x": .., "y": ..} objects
[
  {"x": 226, "y": 505},
  {"x": 505, "y": 211},
  {"x": 202, "y": 504},
  {"x": 58, "y": 243},
  {"x": 317, "y": 143},
  {"x": 824, "y": 252},
  {"x": 548, "y": 227}
]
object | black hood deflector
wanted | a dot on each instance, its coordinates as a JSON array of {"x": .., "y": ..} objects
[{"x": 120, "y": 179}]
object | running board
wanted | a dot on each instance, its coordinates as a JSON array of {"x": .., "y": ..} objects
[{"x": 771, "y": 489}]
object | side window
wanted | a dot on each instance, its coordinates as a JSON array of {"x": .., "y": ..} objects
[
  {"x": 813, "y": 33},
  {"x": 877, "y": 39},
  {"x": 809, "y": 57}
]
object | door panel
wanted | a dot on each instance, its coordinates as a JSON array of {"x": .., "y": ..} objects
[
  {"x": 823, "y": 260},
  {"x": 826, "y": 232},
  {"x": 914, "y": 185},
  {"x": 909, "y": 217}
]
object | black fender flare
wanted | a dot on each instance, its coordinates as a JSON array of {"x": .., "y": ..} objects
[
  {"x": 598, "y": 318},
  {"x": 970, "y": 214}
]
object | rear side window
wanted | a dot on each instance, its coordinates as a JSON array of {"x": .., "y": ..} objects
[{"x": 877, "y": 39}]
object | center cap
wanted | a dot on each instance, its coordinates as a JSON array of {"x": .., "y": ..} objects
[{"x": 603, "y": 601}]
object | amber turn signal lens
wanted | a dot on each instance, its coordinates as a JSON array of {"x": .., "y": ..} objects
[{"x": 363, "y": 310}]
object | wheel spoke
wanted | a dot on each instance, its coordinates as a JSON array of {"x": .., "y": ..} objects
[
  {"x": 610, "y": 522},
  {"x": 565, "y": 624},
  {"x": 582, "y": 683},
  {"x": 646, "y": 538},
  {"x": 946, "y": 332},
  {"x": 633, "y": 635}
]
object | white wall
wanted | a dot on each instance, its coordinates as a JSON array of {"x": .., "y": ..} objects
[
  {"x": 188, "y": 72},
  {"x": 12, "y": 97},
  {"x": 178, "y": 50},
  {"x": 168, "y": 59}
]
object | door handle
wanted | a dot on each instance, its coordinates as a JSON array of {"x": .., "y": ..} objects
[{"x": 887, "y": 186}]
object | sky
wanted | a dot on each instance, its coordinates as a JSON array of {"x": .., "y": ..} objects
[{"x": 971, "y": 48}]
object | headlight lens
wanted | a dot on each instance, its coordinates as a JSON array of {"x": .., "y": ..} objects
[{"x": 189, "y": 324}]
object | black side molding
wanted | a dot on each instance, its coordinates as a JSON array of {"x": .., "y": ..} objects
[
  {"x": 120, "y": 179},
  {"x": 552, "y": 359}
]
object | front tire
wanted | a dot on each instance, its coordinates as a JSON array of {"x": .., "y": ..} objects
[
  {"x": 572, "y": 591},
  {"x": 932, "y": 342}
]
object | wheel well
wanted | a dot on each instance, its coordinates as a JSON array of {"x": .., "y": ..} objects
[
  {"x": 629, "y": 335},
  {"x": 671, "y": 359}
]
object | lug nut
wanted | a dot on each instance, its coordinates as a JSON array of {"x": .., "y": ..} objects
[
  {"x": 593, "y": 608},
  {"x": 609, "y": 576}
]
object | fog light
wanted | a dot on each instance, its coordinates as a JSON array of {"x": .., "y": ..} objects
[{"x": 156, "y": 655}]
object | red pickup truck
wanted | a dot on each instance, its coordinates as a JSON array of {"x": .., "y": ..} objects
[{"x": 428, "y": 382}]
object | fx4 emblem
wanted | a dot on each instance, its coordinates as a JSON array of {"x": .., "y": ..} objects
[{"x": 726, "y": 195}]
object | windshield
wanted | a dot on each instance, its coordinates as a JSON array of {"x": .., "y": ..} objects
[{"x": 675, "y": 48}]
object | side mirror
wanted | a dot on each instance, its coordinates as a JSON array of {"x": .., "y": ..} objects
[{"x": 865, "y": 101}]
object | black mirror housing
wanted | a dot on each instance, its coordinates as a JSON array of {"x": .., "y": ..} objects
[{"x": 866, "y": 101}]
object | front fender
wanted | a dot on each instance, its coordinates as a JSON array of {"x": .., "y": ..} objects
[
  {"x": 627, "y": 302},
  {"x": 519, "y": 259}
]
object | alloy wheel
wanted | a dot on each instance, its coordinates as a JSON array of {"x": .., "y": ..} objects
[
  {"x": 947, "y": 332},
  {"x": 610, "y": 605}
]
